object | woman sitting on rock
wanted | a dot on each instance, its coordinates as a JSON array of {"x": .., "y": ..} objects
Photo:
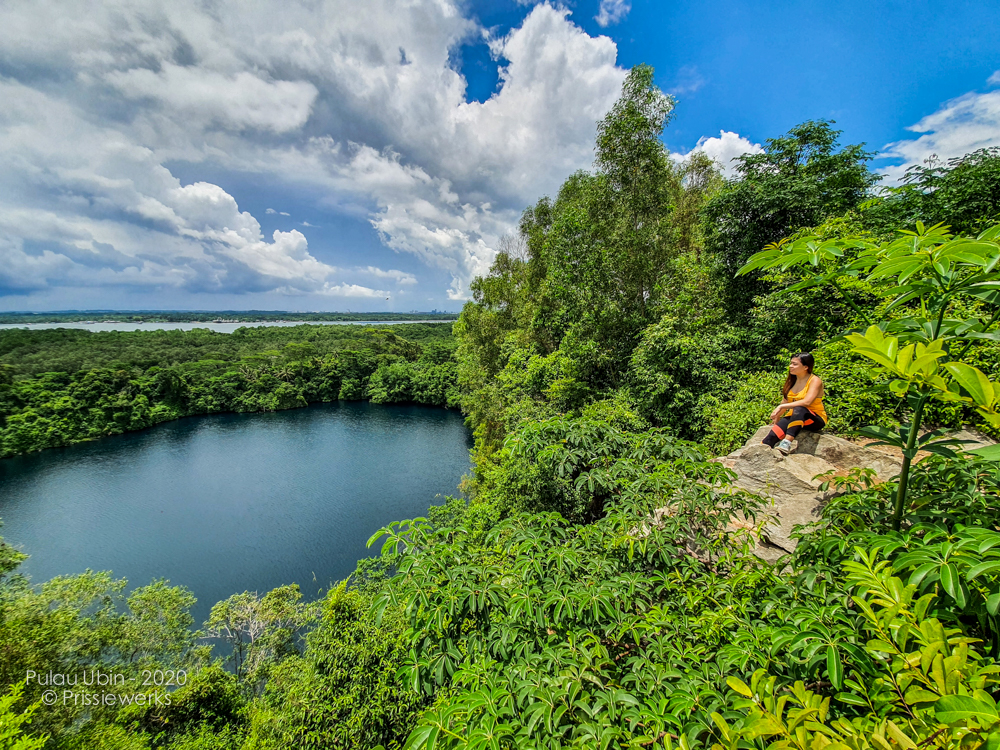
[{"x": 801, "y": 407}]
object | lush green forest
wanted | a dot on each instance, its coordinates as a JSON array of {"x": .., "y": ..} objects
[
  {"x": 638, "y": 323},
  {"x": 62, "y": 386}
]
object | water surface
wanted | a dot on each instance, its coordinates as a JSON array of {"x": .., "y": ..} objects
[
  {"x": 217, "y": 327},
  {"x": 228, "y": 503}
]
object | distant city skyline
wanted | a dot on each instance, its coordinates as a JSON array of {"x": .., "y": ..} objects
[{"x": 332, "y": 156}]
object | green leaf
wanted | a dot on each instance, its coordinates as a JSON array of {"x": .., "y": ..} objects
[
  {"x": 881, "y": 646},
  {"x": 852, "y": 700},
  {"x": 919, "y": 695},
  {"x": 877, "y": 357},
  {"x": 949, "y": 580},
  {"x": 988, "y": 543},
  {"x": 991, "y": 566},
  {"x": 834, "y": 667},
  {"x": 898, "y": 737},
  {"x": 906, "y": 265},
  {"x": 940, "y": 450},
  {"x": 883, "y": 435},
  {"x": 973, "y": 381},
  {"x": 376, "y": 536},
  {"x": 982, "y": 695},
  {"x": 920, "y": 573},
  {"x": 993, "y": 604},
  {"x": 737, "y": 685},
  {"x": 920, "y": 608},
  {"x": 951, "y": 709},
  {"x": 987, "y": 336}
]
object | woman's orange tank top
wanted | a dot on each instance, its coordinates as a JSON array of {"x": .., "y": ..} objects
[{"x": 816, "y": 407}]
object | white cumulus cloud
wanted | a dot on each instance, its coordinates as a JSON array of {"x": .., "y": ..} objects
[
  {"x": 612, "y": 12},
  {"x": 239, "y": 101},
  {"x": 120, "y": 217},
  {"x": 400, "y": 277},
  {"x": 361, "y": 110},
  {"x": 353, "y": 290},
  {"x": 964, "y": 124},
  {"x": 723, "y": 149}
]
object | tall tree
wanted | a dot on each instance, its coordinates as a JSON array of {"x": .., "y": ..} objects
[
  {"x": 799, "y": 180},
  {"x": 637, "y": 178},
  {"x": 963, "y": 193},
  {"x": 700, "y": 179}
]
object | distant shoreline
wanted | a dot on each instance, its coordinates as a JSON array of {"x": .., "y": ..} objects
[
  {"x": 217, "y": 316},
  {"x": 219, "y": 326}
]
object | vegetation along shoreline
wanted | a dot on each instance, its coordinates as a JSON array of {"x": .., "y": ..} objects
[{"x": 62, "y": 386}]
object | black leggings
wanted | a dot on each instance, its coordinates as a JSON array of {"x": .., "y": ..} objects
[{"x": 788, "y": 426}]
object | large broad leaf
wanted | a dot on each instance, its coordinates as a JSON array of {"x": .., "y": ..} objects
[
  {"x": 935, "y": 434},
  {"x": 737, "y": 685},
  {"x": 903, "y": 267},
  {"x": 834, "y": 667},
  {"x": 987, "y": 336},
  {"x": 884, "y": 435},
  {"x": 863, "y": 347},
  {"x": 854, "y": 700},
  {"x": 769, "y": 257},
  {"x": 991, "y": 566},
  {"x": 971, "y": 251},
  {"x": 985, "y": 286},
  {"x": 973, "y": 381},
  {"x": 906, "y": 293},
  {"x": 952, "y": 709},
  {"x": 950, "y": 581},
  {"x": 925, "y": 365},
  {"x": 919, "y": 695},
  {"x": 992, "y": 296},
  {"x": 940, "y": 448},
  {"x": 993, "y": 604},
  {"x": 991, "y": 234}
]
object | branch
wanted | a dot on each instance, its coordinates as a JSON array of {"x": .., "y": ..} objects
[
  {"x": 850, "y": 302},
  {"x": 970, "y": 342}
]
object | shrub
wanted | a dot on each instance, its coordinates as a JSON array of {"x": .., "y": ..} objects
[
  {"x": 735, "y": 412},
  {"x": 343, "y": 692}
]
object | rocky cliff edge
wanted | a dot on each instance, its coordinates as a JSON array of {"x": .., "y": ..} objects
[{"x": 788, "y": 482}]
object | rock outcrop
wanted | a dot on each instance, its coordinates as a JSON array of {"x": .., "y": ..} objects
[{"x": 788, "y": 481}]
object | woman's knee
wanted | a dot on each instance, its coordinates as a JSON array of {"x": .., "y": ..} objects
[{"x": 799, "y": 412}]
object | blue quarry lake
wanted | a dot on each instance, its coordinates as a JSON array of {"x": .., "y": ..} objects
[{"x": 230, "y": 503}]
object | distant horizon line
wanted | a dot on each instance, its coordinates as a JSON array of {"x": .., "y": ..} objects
[{"x": 269, "y": 312}]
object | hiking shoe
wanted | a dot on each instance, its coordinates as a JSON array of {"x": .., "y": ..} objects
[{"x": 785, "y": 446}]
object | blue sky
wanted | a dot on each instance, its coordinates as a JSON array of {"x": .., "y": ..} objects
[{"x": 334, "y": 155}]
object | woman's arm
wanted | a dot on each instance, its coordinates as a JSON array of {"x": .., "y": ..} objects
[
  {"x": 812, "y": 391},
  {"x": 778, "y": 411}
]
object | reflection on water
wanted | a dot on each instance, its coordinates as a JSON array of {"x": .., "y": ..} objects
[{"x": 229, "y": 503}]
